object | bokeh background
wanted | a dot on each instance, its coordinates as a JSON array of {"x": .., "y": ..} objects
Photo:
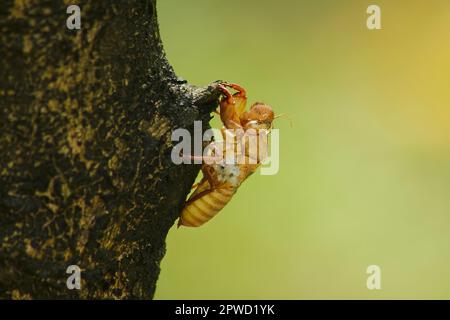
[{"x": 364, "y": 169}]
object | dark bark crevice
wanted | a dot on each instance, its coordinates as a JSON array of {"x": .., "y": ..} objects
[{"x": 86, "y": 176}]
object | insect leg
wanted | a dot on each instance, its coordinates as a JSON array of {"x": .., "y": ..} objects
[
  {"x": 241, "y": 92},
  {"x": 227, "y": 93},
  {"x": 232, "y": 107}
]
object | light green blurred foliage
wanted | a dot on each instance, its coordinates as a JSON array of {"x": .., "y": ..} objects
[{"x": 365, "y": 168}]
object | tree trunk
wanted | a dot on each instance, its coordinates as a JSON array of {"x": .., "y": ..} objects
[{"x": 86, "y": 176}]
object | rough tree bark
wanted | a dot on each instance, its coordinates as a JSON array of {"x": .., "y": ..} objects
[{"x": 86, "y": 176}]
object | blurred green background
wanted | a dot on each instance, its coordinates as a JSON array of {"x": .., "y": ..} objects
[{"x": 364, "y": 170}]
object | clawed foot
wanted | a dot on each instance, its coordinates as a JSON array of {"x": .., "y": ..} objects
[{"x": 241, "y": 93}]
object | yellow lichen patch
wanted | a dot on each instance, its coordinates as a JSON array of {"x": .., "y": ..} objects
[
  {"x": 31, "y": 251},
  {"x": 144, "y": 125},
  {"x": 118, "y": 284},
  {"x": 158, "y": 127},
  {"x": 127, "y": 250},
  {"x": 67, "y": 254},
  {"x": 17, "y": 11},
  {"x": 89, "y": 212},
  {"x": 53, "y": 105},
  {"x": 113, "y": 163},
  {"x": 53, "y": 207},
  {"x": 89, "y": 101},
  {"x": 49, "y": 191},
  {"x": 113, "y": 230},
  {"x": 77, "y": 135},
  {"x": 27, "y": 44},
  {"x": 46, "y": 75},
  {"x": 70, "y": 104},
  {"x": 64, "y": 150},
  {"x": 38, "y": 94},
  {"x": 49, "y": 243},
  {"x": 63, "y": 77},
  {"x": 93, "y": 31},
  {"x": 120, "y": 146},
  {"x": 47, "y": 11},
  {"x": 75, "y": 139},
  {"x": 17, "y": 295},
  {"x": 65, "y": 190}
]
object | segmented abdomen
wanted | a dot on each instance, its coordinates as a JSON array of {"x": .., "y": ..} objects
[{"x": 203, "y": 208}]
